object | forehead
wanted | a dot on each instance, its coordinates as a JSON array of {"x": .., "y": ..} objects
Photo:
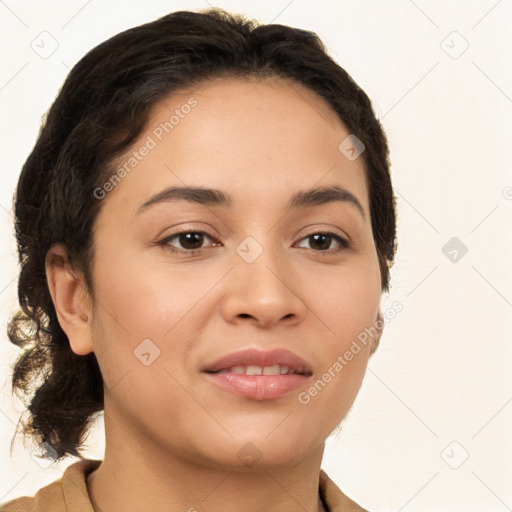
[{"x": 262, "y": 138}]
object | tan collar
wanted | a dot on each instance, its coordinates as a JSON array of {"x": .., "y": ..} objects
[
  {"x": 70, "y": 494},
  {"x": 332, "y": 497}
]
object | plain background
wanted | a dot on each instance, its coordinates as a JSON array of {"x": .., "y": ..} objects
[{"x": 430, "y": 430}]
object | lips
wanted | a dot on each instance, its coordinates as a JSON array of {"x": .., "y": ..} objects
[
  {"x": 260, "y": 370},
  {"x": 259, "y": 375},
  {"x": 262, "y": 359}
]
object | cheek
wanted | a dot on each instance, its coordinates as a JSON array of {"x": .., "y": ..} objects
[
  {"x": 345, "y": 302},
  {"x": 138, "y": 301},
  {"x": 144, "y": 300}
]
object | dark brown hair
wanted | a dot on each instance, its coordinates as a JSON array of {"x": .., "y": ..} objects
[{"x": 101, "y": 109}]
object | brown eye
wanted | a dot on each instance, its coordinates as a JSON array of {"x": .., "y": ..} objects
[
  {"x": 187, "y": 241},
  {"x": 322, "y": 242},
  {"x": 191, "y": 240}
]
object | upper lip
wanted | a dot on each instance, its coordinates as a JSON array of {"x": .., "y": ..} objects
[{"x": 254, "y": 357}]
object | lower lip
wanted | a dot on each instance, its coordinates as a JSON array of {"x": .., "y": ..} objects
[{"x": 259, "y": 387}]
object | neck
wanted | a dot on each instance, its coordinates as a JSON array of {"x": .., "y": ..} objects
[{"x": 133, "y": 475}]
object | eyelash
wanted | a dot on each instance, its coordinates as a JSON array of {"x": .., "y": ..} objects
[{"x": 344, "y": 244}]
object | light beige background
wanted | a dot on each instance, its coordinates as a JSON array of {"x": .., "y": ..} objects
[{"x": 440, "y": 386}]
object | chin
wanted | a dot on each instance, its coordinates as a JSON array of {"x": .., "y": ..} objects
[{"x": 253, "y": 453}]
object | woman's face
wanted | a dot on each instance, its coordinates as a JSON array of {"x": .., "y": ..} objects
[{"x": 268, "y": 277}]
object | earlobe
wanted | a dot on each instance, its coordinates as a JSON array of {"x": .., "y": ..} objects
[
  {"x": 70, "y": 299},
  {"x": 379, "y": 326}
]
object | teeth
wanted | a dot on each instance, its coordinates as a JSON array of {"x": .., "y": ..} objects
[
  {"x": 254, "y": 370},
  {"x": 259, "y": 370},
  {"x": 271, "y": 370}
]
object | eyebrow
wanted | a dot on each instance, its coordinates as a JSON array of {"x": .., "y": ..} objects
[{"x": 213, "y": 197}]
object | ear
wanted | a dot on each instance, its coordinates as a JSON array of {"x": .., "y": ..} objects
[
  {"x": 379, "y": 326},
  {"x": 70, "y": 299}
]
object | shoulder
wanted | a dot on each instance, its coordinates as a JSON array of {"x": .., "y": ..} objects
[
  {"x": 334, "y": 499},
  {"x": 67, "y": 494}
]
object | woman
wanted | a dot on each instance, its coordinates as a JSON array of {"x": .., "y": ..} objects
[{"x": 205, "y": 228}]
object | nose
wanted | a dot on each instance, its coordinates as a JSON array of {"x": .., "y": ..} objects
[{"x": 265, "y": 292}]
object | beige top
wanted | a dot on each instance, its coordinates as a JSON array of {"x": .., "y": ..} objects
[{"x": 69, "y": 494}]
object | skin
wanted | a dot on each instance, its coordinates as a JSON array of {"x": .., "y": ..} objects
[{"x": 172, "y": 437}]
